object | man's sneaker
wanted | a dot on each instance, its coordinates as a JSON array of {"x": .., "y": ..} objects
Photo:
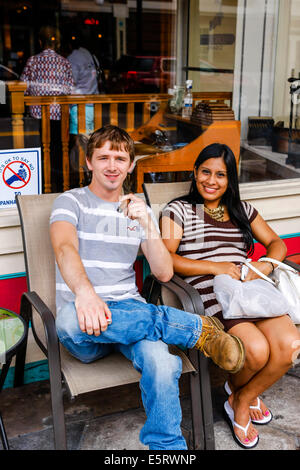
[{"x": 227, "y": 351}]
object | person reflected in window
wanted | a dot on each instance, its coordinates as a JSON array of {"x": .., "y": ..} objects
[
  {"x": 48, "y": 73},
  {"x": 208, "y": 232},
  {"x": 87, "y": 77}
]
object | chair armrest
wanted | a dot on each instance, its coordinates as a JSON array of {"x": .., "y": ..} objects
[
  {"x": 32, "y": 299},
  {"x": 188, "y": 296},
  {"x": 192, "y": 292},
  {"x": 292, "y": 264}
]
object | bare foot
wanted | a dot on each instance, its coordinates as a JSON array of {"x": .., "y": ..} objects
[
  {"x": 241, "y": 417},
  {"x": 257, "y": 414}
]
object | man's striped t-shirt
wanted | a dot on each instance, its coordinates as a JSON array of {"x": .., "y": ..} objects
[{"x": 108, "y": 245}]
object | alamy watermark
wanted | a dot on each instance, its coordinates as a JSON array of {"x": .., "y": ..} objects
[{"x": 121, "y": 226}]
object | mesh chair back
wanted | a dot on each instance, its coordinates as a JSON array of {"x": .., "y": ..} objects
[
  {"x": 159, "y": 194},
  {"x": 34, "y": 214},
  {"x": 169, "y": 298}
]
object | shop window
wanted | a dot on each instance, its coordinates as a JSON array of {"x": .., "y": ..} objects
[{"x": 246, "y": 49}]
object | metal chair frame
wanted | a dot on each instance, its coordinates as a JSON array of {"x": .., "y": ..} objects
[{"x": 202, "y": 423}]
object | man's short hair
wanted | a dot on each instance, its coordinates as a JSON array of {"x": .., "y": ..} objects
[
  {"x": 119, "y": 139},
  {"x": 49, "y": 37}
]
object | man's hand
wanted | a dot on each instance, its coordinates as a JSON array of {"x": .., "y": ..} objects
[
  {"x": 135, "y": 208},
  {"x": 93, "y": 314}
]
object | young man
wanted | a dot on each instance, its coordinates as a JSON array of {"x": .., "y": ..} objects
[{"x": 99, "y": 309}]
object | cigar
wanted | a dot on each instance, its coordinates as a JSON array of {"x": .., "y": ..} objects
[{"x": 123, "y": 205}]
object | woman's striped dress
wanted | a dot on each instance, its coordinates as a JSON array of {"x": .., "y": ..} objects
[{"x": 204, "y": 238}]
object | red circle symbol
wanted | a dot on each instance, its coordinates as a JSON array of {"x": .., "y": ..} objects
[{"x": 16, "y": 174}]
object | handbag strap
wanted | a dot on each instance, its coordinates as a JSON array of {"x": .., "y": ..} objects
[
  {"x": 285, "y": 267},
  {"x": 266, "y": 278},
  {"x": 97, "y": 65}
]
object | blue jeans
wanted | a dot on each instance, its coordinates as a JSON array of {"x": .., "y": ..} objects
[
  {"x": 89, "y": 119},
  {"x": 141, "y": 332}
]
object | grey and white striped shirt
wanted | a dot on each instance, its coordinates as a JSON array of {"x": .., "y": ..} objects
[{"x": 108, "y": 245}]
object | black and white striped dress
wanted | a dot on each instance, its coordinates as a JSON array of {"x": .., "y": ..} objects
[{"x": 204, "y": 238}]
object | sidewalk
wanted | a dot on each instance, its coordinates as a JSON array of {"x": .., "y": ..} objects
[{"x": 111, "y": 419}]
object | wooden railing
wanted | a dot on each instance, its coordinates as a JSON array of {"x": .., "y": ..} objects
[{"x": 145, "y": 103}]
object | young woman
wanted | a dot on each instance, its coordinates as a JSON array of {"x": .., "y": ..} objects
[{"x": 208, "y": 232}]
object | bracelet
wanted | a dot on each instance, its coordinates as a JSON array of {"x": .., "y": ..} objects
[{"x": 273, "y": 267}]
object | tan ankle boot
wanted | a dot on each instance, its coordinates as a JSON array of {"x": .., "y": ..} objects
[{"x": 227, "y": 351}]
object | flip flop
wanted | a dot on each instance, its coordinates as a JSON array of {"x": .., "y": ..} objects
[
  {"x": 229, "y": 416},
  {"x": 265, "y": 420},
  {"x": 227, "y": 388}
]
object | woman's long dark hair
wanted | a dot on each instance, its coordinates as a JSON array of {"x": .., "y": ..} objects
[{"x": 231, "y": 198}]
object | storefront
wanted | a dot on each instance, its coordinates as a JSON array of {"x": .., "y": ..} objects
[
  {"x": 252, "y": 45},
  {"x": 245, "y": 48}
]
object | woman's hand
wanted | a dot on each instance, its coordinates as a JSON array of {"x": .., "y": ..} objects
[
  {"x": 228, "y": 268},
  {"x": 263, "y": 266}
]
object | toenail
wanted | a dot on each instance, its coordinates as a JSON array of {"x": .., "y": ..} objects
[
  {"x": 267, "y": 413},
  {"x": 246, "y": 440}
]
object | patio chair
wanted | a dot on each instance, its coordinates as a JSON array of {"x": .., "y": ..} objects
[
  {"x": 38, "y": 307},
  {"x": 293, "y": 261},
  {"x": 157, "y": 195}
]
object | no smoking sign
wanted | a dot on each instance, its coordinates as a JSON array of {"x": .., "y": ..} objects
[
  {"x": 16, "y": 174},
  {"x": 20, "y": 173}
]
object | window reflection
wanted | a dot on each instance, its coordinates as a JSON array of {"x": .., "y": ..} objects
[{"x": 246, "y": 49}]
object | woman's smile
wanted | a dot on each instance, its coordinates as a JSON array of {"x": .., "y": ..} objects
[
  {"x": 212, "y": 181},
  {"x": 209, "y": 190}
]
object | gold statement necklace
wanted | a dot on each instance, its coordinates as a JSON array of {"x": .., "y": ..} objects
[{"x": 217, "y": 213}]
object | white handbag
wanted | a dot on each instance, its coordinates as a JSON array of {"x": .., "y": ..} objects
[
  {"x": 254, "y": 299},
  {"x": 287, "y": 280}
]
